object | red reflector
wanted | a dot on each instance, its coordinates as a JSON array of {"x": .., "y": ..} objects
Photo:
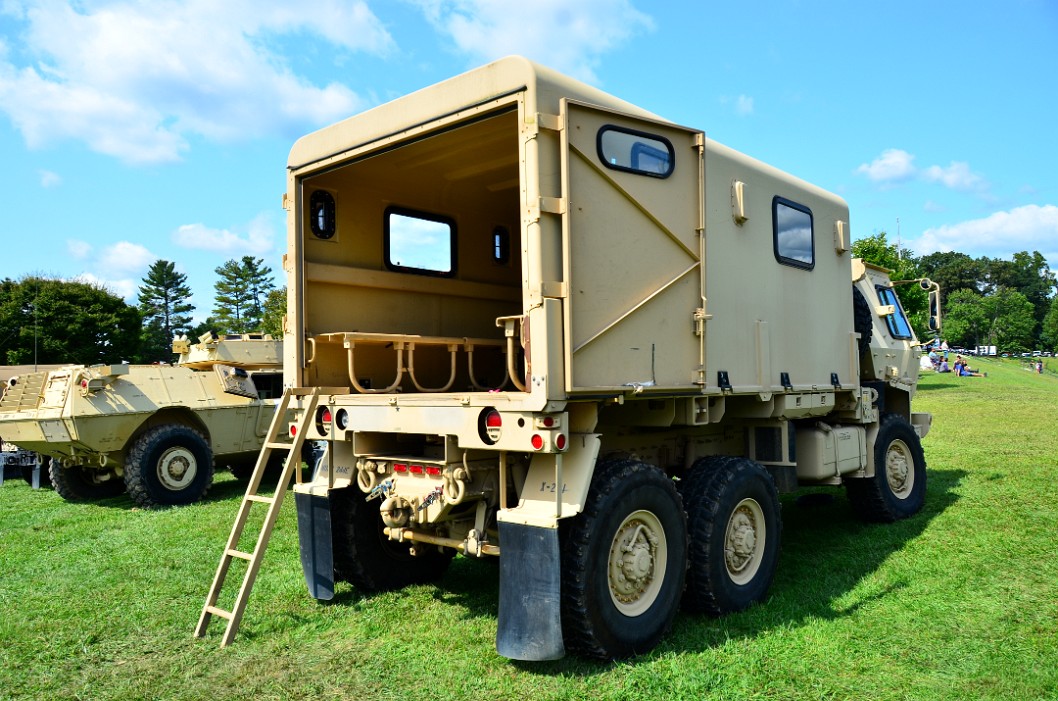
[
  {"x": 433, "y": 470},
  {"x": 416, "y": 469},
  {"x": 537, "y": 441},
  {"x": 493, "y": 420},
  {"x": 84, "y": 384},
  {"x": 325, "y": 417},
  {"x": 560, "y": 442},
  {"x": 548, "y": 421},
  {"x": 293, "y": 430},
  {"x": 400, "y": 467}
]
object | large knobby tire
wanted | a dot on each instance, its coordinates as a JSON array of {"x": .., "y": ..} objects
[
  {"x": 898, "y": 488},
  {"x": 862, "y": 322},
  {"x": 624, "y": 561},
  {"x": 168, "y": 466},
  {"x": 76, "y": 483},
  {"x": 370, "y": 561},
  {"x": 735, "y": 528}
]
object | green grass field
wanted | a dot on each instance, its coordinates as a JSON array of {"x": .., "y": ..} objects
[{"x": 961, "y": 602}]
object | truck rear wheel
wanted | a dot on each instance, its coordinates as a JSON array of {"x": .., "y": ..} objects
[
  {"x": 77, "y": 483},
  {"x": 624, "y": 559},
  {"x": 366, "y": 558},
  {"x": 898, "y": 488},
  {"x": 735, "y": 526},
  {"x": 169, "y": 465}
]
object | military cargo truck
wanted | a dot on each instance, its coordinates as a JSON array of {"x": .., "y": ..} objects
[
  {"x": 552, "y": 327},
  {"x": 153, "y": 430}
]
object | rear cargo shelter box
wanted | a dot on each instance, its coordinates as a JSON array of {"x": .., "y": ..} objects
[{"x": 597, "y": 225}]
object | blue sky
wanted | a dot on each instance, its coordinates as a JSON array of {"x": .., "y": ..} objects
[{"x": 132, "y": 130}]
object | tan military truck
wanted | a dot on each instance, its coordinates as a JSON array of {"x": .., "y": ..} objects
[
  {"x": 153, "y": 430},
  {"x": 555, "y": 328}
]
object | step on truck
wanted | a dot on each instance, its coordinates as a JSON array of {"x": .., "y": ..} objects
[
  {"x": 153, "y": 431},
  {"x": 551, "y": 327}
]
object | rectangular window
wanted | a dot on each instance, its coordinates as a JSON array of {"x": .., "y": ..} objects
[
  {"x": 635, "y": 152},
  {"x": 794, "y": 239},
  {"x": 897, "y": 321},
  {"x": 419, "y": 242}
]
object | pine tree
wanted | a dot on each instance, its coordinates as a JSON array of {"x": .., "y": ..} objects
[
  {"x": 259, "y": 283},
  {"x": 166, "y": 312}
]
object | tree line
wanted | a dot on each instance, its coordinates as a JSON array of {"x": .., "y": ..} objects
[
  {"x": 49, "y": 321},
  {"x": 1010, "y": 304}
]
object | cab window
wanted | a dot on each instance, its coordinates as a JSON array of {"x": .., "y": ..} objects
[{"x": 897, "y": 321}]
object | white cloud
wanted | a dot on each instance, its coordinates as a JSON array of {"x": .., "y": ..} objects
[
  {"x": 257, "y": 240},
  {"x": 49, "y": 179},
  {"x": 956, "y": 176},
  {"x": 893, "y": 166},
  {"x": 126, "y": 288},
  {"x": 1028, "y": 228},
  {"x": 569, "y": 36},
  {"x": 124, "y": 257},
  {"x": 78, "y": 249},
  {"x": 135, "y": 79},
  {"x": 744, "y": 105}
]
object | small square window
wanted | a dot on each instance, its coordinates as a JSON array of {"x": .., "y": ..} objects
[
  {"x": 794, "y": 238},
  {"x": 419, "y": 242}
]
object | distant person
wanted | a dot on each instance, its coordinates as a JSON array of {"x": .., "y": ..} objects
[{"x": 944, "y": 366}]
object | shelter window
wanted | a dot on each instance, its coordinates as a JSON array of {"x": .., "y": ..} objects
[
  {"x": 794, "y": 238},
  {"x": 321, "y": 214},
  {"x": 420, "y": 242},
  {"x": 501, "y": 246},
  {"x": 635, "y": 151},
  {"x": 897, "y": 321}
]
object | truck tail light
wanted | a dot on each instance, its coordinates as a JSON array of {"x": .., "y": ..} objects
[{"x": 490, "y": 425}]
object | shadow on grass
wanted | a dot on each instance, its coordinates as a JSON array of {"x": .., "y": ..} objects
[
  {"x": 826, "y": 552},
  {"x": 940, "y": 384}
]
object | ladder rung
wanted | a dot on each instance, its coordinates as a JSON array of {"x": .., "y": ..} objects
[
  {"x": 219, "y": 612},
  {"x": 239, "y": 554},
  {"x": 279, "y": 446},
  {"x": 259, "y": 498}
]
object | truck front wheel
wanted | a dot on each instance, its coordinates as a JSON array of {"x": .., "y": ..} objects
[
  {"x": 624, "y": 559},
  {"x": 169, "y": 465},
  {"x": 735, "y": 526},
  {"x": 77, "y": 483},
  {"x": 898, "y": 488},
  {"x": 366, "y": 558}
]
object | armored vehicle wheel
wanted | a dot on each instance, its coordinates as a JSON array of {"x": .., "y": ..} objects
[
  {"x": 366, "y": 558},
  {"x": 76, "y": 483},
  {"x": 734, "y": 526},
  {"x": 169, "y": 465},
  {"x": 898, "y": 488},
  {"x": 624, "y": 559}
]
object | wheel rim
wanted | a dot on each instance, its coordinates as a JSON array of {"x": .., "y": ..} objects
[
  {"x": 744, "y": 541},
  {"x": 177, "y": 468},
  {"x": 898, "y": 469},
  {"x": 636, "y": 567}
]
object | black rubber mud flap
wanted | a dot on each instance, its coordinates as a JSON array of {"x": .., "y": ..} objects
[
  {"x": 530, "y": 616},
  {"x": 314, "y": 539}
]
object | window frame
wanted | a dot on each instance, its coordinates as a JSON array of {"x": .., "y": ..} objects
[
  {"x": 797, "y": 206},
  {"x": 632, "y": 151},
  {"x": 425, "y": 216}
]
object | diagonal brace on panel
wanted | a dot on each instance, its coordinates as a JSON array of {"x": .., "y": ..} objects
[
  {"x": 631, "y": 198},
  {"x": 638, "y": 306}
]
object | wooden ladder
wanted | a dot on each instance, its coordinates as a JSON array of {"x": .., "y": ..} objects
[{"x": 291, "y": 465}]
